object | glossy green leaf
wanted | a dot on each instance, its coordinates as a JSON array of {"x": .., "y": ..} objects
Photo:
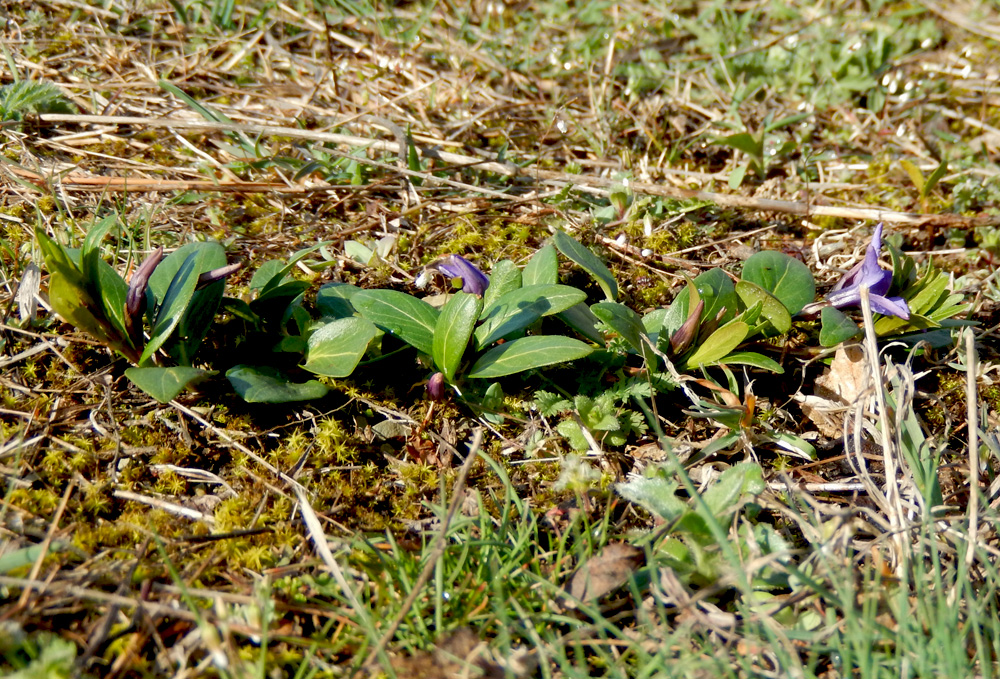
[
  {"x": 718, "y": 292},
  {"x": 528, "y": 353},
  {"x": 412, "y": 320},
  {"x": 334, "y": 299},
  {"x": 504, "y": 278},
  {"x": 210, "y": 255},
  {"x": 783, "y": 276},
  {"x": 520, "y": 308},
  {"x": 164, "y": 384},
  {"x": 542, "y": 268},
  {"x": 836, "y": 327},
  {"x": 57, "y": 258},
  {"x": 771, "y": 308},
  {"x": 628, "y": 324},
  {"x": 590, "y": 262},
  {"x": 264, "y": 384},
  {"x": 719, "y": 344},
  {"x": 75, "y": 306},
  {"x": 175, "y": 302},
  {"x": 453, "y": 330},
  {"x": 752, "y": 358},
  {"x": 112, "y": 290},
  {"x": 581, "y": 319},
  {"x": 335, "y": 349},
  {"x": 90, "y": 252}
]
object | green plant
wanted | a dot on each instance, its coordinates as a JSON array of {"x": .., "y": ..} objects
[{"x": 24, "y": 97}]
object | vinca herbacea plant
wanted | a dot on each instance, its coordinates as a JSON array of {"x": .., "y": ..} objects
[{"x": 515, "y": 321}]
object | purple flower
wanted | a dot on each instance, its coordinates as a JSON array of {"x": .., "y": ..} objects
[
  {"x": 868, "y": 273},
  {"x": 473, "y": 280},
  {"x": 435, "y": 387}
]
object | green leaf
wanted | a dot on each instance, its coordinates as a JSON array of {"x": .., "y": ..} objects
[
  {"x": 270, "y": 269},
  {"x": 57, "y": 258},
  {"x": 732, "y": 486},
  {"x": 737, "y": 176},
  {"x": 745, "y": 142},
  {"x": 542, "y": 268},
  {"x": 75, "y": 305},
  {"x": 26, "y": 557},
  {"x": 590, "y": 263},
  {"x": 583, "y": 320},
  {"x": 210, "y": 254},
  {"x": 164, "y": 384},
  {"x": 656, "y": 494},
  {"x": 719, "y": 344},
  {"x": 452, "y": 332},
  {"x": 504, "y": 278},
  {"x": 335, "y": 349},
  {"x": 528, "y": 353},
  {"x": 90, "y": 252},
  {"x": 916, "y": 176},
  {"x": 175, "y": 302},
  {"x": 752, "y": 358},
  {"x": 628, "y": 324},
  {"x": 412, "y": 320},
  {"x": 112, "y": 290},
  {"x": 520, "y": 308},
  {"x": 934, "y": 178},
  {"x": 263, "y": 384},
  {"x": 334, "y": 300},
  {"x": 836, "y": 327},
  {"x": 771, "y": 308},
  {"x": 783, "y": 276},
  {"x": 715, "y": 288}
]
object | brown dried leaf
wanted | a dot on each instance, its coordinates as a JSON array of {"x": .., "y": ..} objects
[{"x": 606, "y": 571}]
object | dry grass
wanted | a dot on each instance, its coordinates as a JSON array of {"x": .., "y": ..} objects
[{"x": 196, "y": 538}]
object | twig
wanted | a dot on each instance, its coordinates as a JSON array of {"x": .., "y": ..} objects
[
  {"x": 437, "y": 549},
  {"x": 972, "y": 426}
]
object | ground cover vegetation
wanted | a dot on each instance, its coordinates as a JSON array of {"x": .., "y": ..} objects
[{"x": 499, "y": 339}]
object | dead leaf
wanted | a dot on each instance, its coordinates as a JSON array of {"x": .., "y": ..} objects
[
  {"x": 848, "y": 376},
  {"x": 836, "y": 390},
  {"x": 606, "y": 571}
]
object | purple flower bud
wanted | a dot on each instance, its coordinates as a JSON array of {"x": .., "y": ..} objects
[
  {"x": 435, "y": 387},
  {"x": 685, "y": 335},
  {"x": 218, "y": 274},
  {"x": 473, "y": 280},
  {"x": 135, "y": 298},
  {"x": 867, "y": 273}
]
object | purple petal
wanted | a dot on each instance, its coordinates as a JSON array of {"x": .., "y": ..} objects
[
  {"x": 890, "y": 306},
  {"x": 474, "y": 281}
]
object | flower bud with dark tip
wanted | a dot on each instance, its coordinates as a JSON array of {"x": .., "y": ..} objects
[
  {"x": 214, "y": 275},
  {"x": 435, "y": 387},
  {"x": 135, "y": 298},
  {"x": 685, "y": 335}
]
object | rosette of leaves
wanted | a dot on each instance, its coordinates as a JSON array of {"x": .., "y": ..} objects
[
  {"x": 712, "y": 317},
  {"x": 933, "y": 307},
  {"x": 176, "y": 303}
]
